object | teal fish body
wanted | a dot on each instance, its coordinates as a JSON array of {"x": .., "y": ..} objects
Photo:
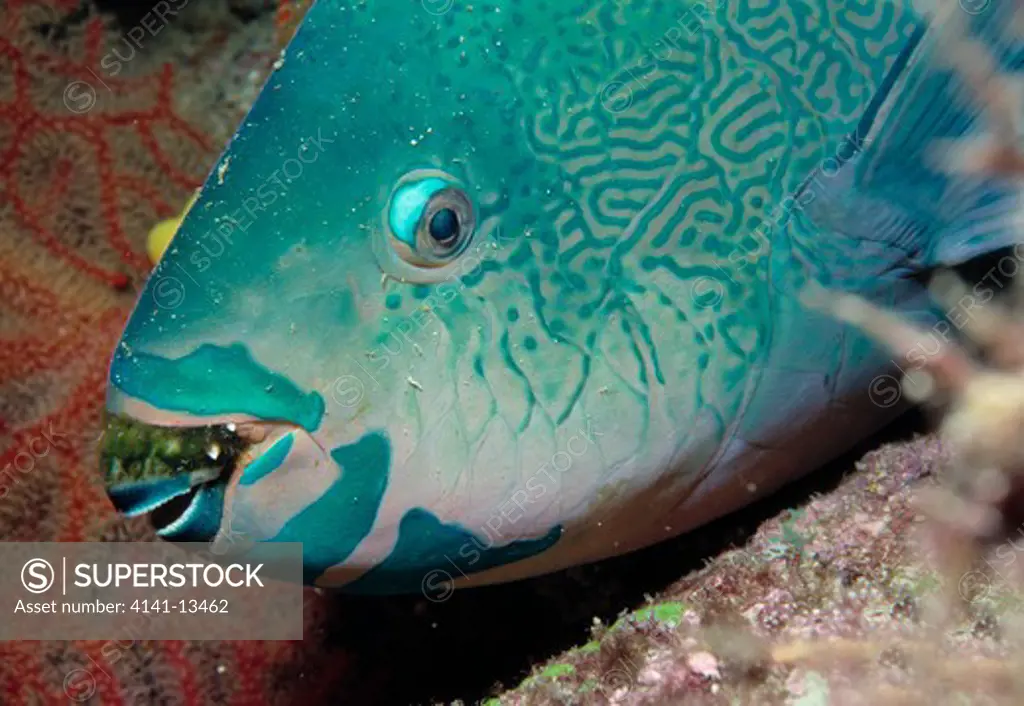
[{"x": 478, "y": 292}]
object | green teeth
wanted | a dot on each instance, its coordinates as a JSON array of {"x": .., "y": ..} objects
[{"x": 132, "y": 451}]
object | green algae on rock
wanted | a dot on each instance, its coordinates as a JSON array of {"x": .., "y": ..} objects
[{"x": 132, "y": 451}]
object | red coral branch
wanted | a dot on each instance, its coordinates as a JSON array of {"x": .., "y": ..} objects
[{"x": 31, "y": 115}]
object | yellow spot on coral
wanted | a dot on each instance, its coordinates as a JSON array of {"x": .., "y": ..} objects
[{"x": 160, "y": 236}]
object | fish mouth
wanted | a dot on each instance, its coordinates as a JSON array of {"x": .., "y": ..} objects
[{"x": 178, "y": 475}]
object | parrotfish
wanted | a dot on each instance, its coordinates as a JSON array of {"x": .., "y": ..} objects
[{"x": 479, "y": 291}]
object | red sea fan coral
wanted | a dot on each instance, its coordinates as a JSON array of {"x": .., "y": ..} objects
[
  {"x": 90, "y": 159},
  {"x": 289, "y": 14},
  {"x": 82, "y": 147}
]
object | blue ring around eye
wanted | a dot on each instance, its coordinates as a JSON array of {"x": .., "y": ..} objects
[{"x": 407, "y": 207}]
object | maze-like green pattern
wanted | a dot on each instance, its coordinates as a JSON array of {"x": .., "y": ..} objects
[{"x": 622, "y": 156}]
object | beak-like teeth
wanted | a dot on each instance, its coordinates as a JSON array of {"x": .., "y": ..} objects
[
  {"x": 173, "y": 474},
  {"x": 179, "y": 476}
]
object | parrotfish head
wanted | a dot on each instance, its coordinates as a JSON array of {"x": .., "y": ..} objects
[
  {"x": 357, "y": 326},
  {"x": 427, "y": 315}
]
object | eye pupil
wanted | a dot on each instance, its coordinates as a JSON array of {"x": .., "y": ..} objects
[{"x": 444, "y": 225}]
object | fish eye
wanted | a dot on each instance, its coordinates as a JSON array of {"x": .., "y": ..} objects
[{"x": 430, "y": 219}]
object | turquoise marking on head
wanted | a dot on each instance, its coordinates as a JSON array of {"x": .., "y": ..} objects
[
  {"x": 213, "y": 380},
  {"x": 427, "y": 546},
  {"x": 269, "y": 461},
  {"x": 333, "y": 525}
]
